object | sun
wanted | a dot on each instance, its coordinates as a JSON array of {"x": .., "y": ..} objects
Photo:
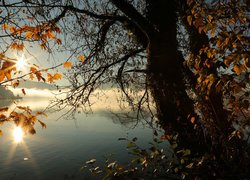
[
  {"x": 18, "y": 134},
  {"x": 21, "y": 63}
]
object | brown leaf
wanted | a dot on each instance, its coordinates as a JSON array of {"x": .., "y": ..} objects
[
  {"x": 23, "y": 91},
  {"x": 4, "y": 109},
  {"x": 42, "y": 124}
]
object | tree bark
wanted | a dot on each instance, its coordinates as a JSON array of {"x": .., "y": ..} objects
[{"x": 166, "y": 80}]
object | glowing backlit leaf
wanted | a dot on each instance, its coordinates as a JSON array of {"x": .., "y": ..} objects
[
  {"x": 67, "y": 65},
  {"x": 29, "y": 34},
  {"x": 192, "y": 120},
  {"x": 57, "y": 76},
  {"x": 81, "y": 58},
  {"x": 5, "y": 26}
]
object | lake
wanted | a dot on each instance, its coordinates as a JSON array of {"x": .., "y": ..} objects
[{"x": 59, "y": 151}]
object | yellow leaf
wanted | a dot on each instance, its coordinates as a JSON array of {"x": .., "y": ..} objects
[
  {"x": 81, "y": 58},
  {"x": 67, "y": 65},
  {"x": 31, "y": 76},
  {"x": 189, "y": 20}
]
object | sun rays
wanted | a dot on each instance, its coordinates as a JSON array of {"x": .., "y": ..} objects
[{"x": 18, "y": 134}]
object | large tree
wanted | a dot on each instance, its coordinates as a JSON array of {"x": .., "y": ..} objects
[{"x": 190, "y": 57}]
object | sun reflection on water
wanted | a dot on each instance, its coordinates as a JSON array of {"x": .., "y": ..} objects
[{"x": 18, "y": 134}]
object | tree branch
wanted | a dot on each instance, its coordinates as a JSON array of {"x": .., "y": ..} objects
[{"x": 135, "y": 16}]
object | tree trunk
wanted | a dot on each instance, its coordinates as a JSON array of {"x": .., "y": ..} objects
[{"x": 166, "y": 81}]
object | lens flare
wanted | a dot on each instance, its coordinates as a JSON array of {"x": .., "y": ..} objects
[
  {"x": 21, "y": 63},
  {"x": 18, "y": 134}
]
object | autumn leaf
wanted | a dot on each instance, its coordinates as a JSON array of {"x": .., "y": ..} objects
[
  {"x": 192, "y": 120},
  {"x": 58, "y": 41},
  {"x": 57, "y": 76},
  {"x": 24, "y": 108},
  {"x": 81, "y": 58},
  {"x": 29, "y": 35},
  {"x": 238, "y": 69},
  {"x": 31, "y": 76},
  {"x": 1, "y": 75},
  {"x": 42, "y": 124},
  {"x": 33, "y": 69},
  {"x": 5, "y": 26},
  {"x": 4, "y": 109},
  {"x": 50, "y": 78},
  {"x": 209, "y": 18},
  {"x": 67, "y": 65},
  {"x": 32, "y": 130},
  {"x": 189, "y": 20},
  {"x": 15, "y": 84},
  {"x": 42, "y": 46},
  {"x": 23, "y": 91},
  {"x": 41, "y": 113}
]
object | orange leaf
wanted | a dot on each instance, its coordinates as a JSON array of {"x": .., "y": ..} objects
[
  {"x": 33, "y": 70},
  {"x": 29, "y": 34},
  {"x": 192, "y": 120},
  {"x": 67, "y": 65},
  {"x": 42, "y": 46},
  {"x": 5, "y": 26},
  {"x": 57, "y": 76},
  {"x": 81, "y": 58},
  {"x": 50, "y": 78}
]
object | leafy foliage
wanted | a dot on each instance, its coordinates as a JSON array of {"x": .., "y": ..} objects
[{"x": 125, "y": 44}]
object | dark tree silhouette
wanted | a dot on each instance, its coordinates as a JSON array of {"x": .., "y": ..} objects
[{"x": 190, "y": 57}]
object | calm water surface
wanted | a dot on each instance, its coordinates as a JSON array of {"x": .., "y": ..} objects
[{"x": 59, "y": 151}]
